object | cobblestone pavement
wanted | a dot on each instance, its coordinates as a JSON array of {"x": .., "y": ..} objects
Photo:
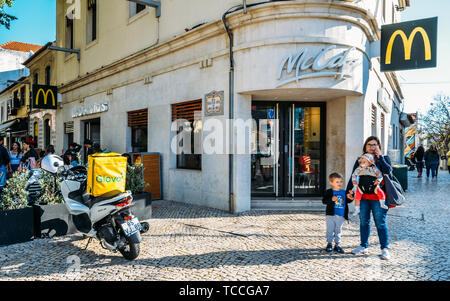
[{"x": 195, "y": 243}]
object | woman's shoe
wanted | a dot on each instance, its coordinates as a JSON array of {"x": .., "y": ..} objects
[
  {"x": 360, "y": 250},
  {"x": 385, "y": 254},
  {"x": 338, "y": 249}
]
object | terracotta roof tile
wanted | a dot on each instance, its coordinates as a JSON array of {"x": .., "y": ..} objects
[{"x": 19, "y": 46}]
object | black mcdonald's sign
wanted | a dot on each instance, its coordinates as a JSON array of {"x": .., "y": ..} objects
[
  {"x": 45, "y": 97},
  {"x": 409, "y": 45}
]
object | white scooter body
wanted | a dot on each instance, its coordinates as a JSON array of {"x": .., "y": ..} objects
[{"x": 98, "y": 211}]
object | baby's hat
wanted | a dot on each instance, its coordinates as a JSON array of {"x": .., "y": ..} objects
[{"x": 368, "y": 157}]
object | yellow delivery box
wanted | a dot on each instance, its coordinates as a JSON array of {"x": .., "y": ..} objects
[{"x": 106, "y": 174}]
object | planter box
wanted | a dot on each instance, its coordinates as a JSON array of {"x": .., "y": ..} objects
[
  {"x": 52, "y": 221},
  {"x": 142, "y": 208},
  {"x": 16, "y": 226}
]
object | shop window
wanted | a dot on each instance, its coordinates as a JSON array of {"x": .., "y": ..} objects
[
  {"x": 138, "y": 122},
  {"x": 68, "y": 131},
  {"x": 69, "y": 33},
  {"x": 47, "y": 75},
  {"x": 374, "y": 120},
  {"x": 91, "y": 21},
  {"x": 136, "y": 8},
  {"x": 47, "y": 133},
  {"x": 35, "y": 131},
  {"x": 187, "y": 111}
]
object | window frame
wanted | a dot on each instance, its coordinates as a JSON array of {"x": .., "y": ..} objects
[{"x": 91, "y": 31}]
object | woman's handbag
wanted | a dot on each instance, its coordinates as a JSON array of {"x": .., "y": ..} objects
[{"x": 395, "y": 195}]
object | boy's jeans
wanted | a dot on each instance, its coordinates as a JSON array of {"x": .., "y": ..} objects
[
  {"x": 379, "y": 216},
  {"x": 334, "y": 228}
]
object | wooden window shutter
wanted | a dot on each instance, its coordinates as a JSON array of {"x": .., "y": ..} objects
[
  {"x": 186, "y": 110},
  {"x": 138, "y": 118},
  {"x": 374, "y": 115},
  {"x": 382, "y": 121},
  {"x": 68, "y": 127}
]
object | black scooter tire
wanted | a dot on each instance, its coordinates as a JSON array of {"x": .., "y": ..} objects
[{"x": 134, "y": 249}]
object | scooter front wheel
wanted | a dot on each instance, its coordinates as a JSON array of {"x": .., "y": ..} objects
[{"x": 131, "y": 250}]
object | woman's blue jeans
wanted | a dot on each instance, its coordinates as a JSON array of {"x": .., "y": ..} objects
[
  {"x": 433, "y": 167},
  {"x": 379, "y": 216},
  {"x": 2, "y": 176}
]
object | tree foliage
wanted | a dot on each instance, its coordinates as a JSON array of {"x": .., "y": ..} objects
[
  {"x": 435, "y": 124},
  {"x": 5, "y": 19}
]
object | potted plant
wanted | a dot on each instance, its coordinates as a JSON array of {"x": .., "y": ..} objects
[
  {"x": 51, "y": 215},
  {"x": 142, "y": 208},
  {"x": 16, "y": 217}
]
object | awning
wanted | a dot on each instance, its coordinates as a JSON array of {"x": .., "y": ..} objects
[{"x": 6, "y": 126}]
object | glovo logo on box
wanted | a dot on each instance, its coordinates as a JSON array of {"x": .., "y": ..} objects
[
  {"x": 409, "y": 45},
  {"x": 109, "y": 179}
]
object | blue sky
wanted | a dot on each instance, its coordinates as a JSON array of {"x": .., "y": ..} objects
[{"x": 36, "y": 24}]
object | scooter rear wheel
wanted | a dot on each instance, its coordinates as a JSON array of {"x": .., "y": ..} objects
[{"x": 131, "y": 250}]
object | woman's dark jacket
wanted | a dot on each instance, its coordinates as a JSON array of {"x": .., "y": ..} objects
[
  {"x": 419, "y": 155},
  {"x": 384, "y": 165},
  {"x": 431, "y": 157},
  {"x": 327, "y": 200}
]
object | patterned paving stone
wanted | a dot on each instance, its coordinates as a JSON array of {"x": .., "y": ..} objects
[{"x": 188, "y": 242}]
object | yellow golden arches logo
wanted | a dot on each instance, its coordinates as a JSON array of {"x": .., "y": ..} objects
[
  {"x": 408, "y": 42},
  {"x": 45, "y": 96}
]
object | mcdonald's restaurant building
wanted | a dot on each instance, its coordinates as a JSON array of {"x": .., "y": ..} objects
[{"x": 303, "y": 71}]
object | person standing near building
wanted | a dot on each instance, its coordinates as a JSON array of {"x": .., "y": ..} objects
[
  {"x": 370, "y": 202},
  {"x": 448, "y": 161},
  {"x": 431, "y": 157},
  {"x": 4, "y": 162},
  {"x": 418, "y": 156},
  {"x": 14, "y": 155},
  {"x": 30, "y": 157}
]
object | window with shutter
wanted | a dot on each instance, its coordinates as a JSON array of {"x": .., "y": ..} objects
[
  {"x": 382, "y": 128},
  {"x": 374, "y": 120},
  {"x": 188, "y": 111},
  {"x": 138, "y": 122}
]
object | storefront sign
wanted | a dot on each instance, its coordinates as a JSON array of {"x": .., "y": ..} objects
[
  {"x": 90, "y": 109},
  {"x": 304, "y": 61},
  {"x": 214, "y": 103},
  {"x": 44, "y": 97},
  {"x": 409, "y": 45}
]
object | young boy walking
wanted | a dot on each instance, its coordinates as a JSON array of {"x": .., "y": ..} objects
[{"x": 336, "y": 212}]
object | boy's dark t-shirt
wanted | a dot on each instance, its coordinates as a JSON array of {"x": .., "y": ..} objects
[{"x": 339, "y": 209}]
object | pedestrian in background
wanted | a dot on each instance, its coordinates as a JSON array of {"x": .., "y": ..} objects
[
  {"x": 30, "y": 156},
  {"x": 14, "y": 156},
  {"x": 4, "y": 162},
  {"x": 418, "y": 156},
  {"x": 431, "y": 157}
]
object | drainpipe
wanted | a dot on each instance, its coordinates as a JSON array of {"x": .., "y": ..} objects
[{"x": 231, "y": 92}]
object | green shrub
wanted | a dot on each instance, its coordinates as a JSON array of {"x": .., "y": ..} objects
[
  {"x": 135, "y": 178},
  {"x": 51, "y": 188},
  {"x": 15, "y": 194}
]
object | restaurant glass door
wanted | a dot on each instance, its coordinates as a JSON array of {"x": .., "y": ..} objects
[{"x": 288, "y": 149}]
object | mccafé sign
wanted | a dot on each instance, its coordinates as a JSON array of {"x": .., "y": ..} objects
[
  {"x": 44, "y": 97},
  {"x": 409, "y": 45}
]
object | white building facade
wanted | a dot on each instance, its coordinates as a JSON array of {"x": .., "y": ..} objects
[{"x": 303, "y": 71}]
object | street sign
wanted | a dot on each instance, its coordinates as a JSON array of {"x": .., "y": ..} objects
[
  {"x": 409, "y": 45},
  {"x": 44, "y": 97}
]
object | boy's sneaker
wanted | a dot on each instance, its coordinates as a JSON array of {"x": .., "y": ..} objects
[
  {"x": 356, "y": 212},
  {"x": 360, "y": 250},
  {"x": 385, "y": 254},
  {"x": 338, "y": 249},
  {"x": 383, "y": 204},
  {"x": 329, "y": 247}
]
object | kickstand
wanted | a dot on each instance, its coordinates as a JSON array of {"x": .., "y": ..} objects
[{"x": 90, "y": 238}]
